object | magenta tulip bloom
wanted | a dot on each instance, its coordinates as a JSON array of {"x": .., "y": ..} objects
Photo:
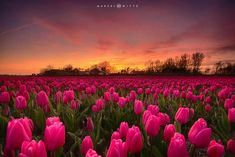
[
  {"x": 228, "y": 103},
  {"x": 5, "y": 98},
  {"x": 18, "y": 131},
  {"x": 152, "y": 125},
  {"x": 123, "y": 129},
  {"x": 33, "y": 149},
  {"x": 117, "y": 148},
  {"x": 138, "y": 107},
  {"x": 20, "y": 102},
  {"x": 215, "y": 149},
  {"x": 115, "y": 135},
  {"x": 54, "y": 135},
  {"x": 231, "y": 146},
  {"x": 89, "y": 124},
  {"x": 58, "y": 97},
  {"x": 122, "y": 102},
  {"x": 177, "y": 146},
  {"x": 92, "y": 153},
  {"x": 43, "y": 101},
  {"x": 134, "y": 140},
  {"x": 208, "y": 108},
  {"x": 86, "y": 145},
  {"x": 153, "y": 109},
  {"x": 183, "y": 115},
  {"x": 231, "y": 115},
  {"x": 199, "y": 134},
  {"x": 145, "y": 116},
  {"x": 52, "y": 120},
  {"x": 74, "y": 104},
  {"x": 68, "y": 96},
  {"x": 169, "y": 132}
]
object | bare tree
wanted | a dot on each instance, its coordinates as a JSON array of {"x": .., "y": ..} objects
[{"x": 197, "y": 59}]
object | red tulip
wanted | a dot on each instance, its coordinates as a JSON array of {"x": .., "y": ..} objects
[
  {"x": 199, "y": 134},
  {"x": 18, "y": 131},
  {"x": 33, "y": 149},
  {"x": 123, "y": 129},
  {"x": 134, "y": 140},
  {"x": 177, "y": 146},
  {"x": 54, "y": 135},
  {"x": 182, "y": 115},
  {"x": 138, "y": 107},
  {"x": 89, "y": 124},
  {"x": 152, "y": 125},
  {"x": 169, "y": 132},
  {"x": 215, "y": 149},
  {"x": 231, "y": 146},
  {"x": 5, "y": 98},
  {"x": 92, "y": 153},
  {"x": 43, "y": 101},
  {"x": 231, "y": 115},
  {"x": 117, "y": 149},
  {"x": 21, "y": 102},
  {"x": 86, "y": 145}
]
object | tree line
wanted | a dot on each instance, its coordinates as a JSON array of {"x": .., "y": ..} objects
[{"x": 185, "y": 64}]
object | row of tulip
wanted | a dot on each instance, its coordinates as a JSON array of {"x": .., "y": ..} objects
[{"x": 117, "y": 116}]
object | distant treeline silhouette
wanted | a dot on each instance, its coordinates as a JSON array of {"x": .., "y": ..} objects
[{"x": 185, "y": 64}]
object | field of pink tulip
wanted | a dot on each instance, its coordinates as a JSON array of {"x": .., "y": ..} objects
[{"x": 117, "y": 116}]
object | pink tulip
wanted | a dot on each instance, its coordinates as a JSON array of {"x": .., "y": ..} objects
[
  {"x": 169, "y": 132},
  {"x": 89, "y": 124},
  {"x": 138, "y": 107},
  {"x": 140, "y": 91},
  {"x": 5, "y": 98},
  {"x": 231, "y": 146},
  {"x": 152, "y": 125},
  {"x": 92, "y": 153},
  {"x": 122, "y": 102},
  {"x": 208, "y": 100},
  {"x": 43, "y": 101},
  {"x": 228, "y": 103},
  {"x": 54, "y": 134},
  {"x": 123, "y": 129},
  {"x": 115, "y": 97},
  {"x": 134, "y": 140},
  {"x": 231, "y": 115},
  {"x": 115, "y": 135},
  {"x": 68, "y": 96},
  {"x": 86, "y": 145},
  {"x": 215, "y": 149},
  {"x": 177, "y": 146},
  {"x": 21, "y": 102},
  {"x": 183, "y": 115},
  {"x": 74, "y": 104},
  {"x": 164, "y": 118},
  {"x": 33, "y": 149},
  {"x": 52, "y": 120},
  {"x": 199, "y": 134},
  {"x": 132, "y": 95},
  {"x": 208, "y": 108},
  {"x": 117, "y": 149},
  {"x": 18, "y": 131},
  {"x": 58, "y": 97},
  {"x": 153, "y": 109},
  {"x": 107, "y": 96},
  {"x": 145, "y": 116}
]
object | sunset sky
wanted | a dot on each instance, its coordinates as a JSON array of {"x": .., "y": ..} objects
[{"x": 57, "y": 32}]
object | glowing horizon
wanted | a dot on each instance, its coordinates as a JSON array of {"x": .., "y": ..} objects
[{"x": 34, "y": 35}]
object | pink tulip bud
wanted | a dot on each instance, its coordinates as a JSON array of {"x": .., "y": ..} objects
[
  {"x": 228, "y": 103},
  {"x": 152, "y": 125},
  {"x": 140, "y": 91},
  {"x": 169, "y": 132},
  {"x": 68, "y": 96},
  {"x": 177, "y": 146},
  {"x": 122, "y": 102},
  {"x": 54, "y": 134},
  {"x": 107, "y": 96},
  {"x": 164, "y": 118},
  {"x": 18, "y": 131},
  {"x": 86, "y": 145},
  {"x": 208, "y": 100},
  {"x": 123, "y": 129},
  {"x": 33, "y": 149},
  {"x": 58, "y": 97},
  {"x": 208, "y": 108},
  {"x": 138, "y": 107},
  {"x": 89, "y": 124},
  {"x": 21, "y": 102},
  {"x": 231, "y": 115},
  {"x": 115, "y": 135},
  {"x": 74, "y": 104},
  {"x": 183, "y": 115},
  {"x": 52, "y": 120},
  {"x": 132, "y": 95},
  {"x": 145, "y": 116},
  {"x": 43, "y": 101},
  {"x": 199, "y": 134},
  {"x": 215, "y": 149},
  {"x": 92, "y": 153},
  {"x": 153, "y": 109},
  {"x": 117, "y": 148},
  {"x": 5, "y": 98},
  {"x": 231, "y": 146},
  {"x": 134, "y": 140}
]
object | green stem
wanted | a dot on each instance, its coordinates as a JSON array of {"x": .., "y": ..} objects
[{"x": 192, "y": 150}]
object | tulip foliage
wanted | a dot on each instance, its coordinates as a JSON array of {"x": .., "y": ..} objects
[{"x": 117, "y": 116}]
